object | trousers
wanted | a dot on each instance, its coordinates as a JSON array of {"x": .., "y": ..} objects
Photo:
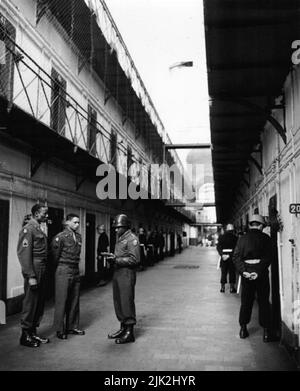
[
  {"x": 227, "y": 267},
  {"x": 67, "y": 290},
  {"x": 34, "y": 297},
  {"x": 124, "y": 280}
]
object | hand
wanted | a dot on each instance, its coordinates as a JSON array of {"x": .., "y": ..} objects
[
  {"x": 253, "y": 276},
  {"x": 225, "y": 257},
  {"x": 246, "y": 274},
  {"x": 33, "y": 283}
]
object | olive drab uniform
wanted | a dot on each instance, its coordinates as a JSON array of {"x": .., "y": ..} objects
[
  {"x": 66, "y": 248},
  {"x": 32, "y": 253},
  {"x": 127, "y": 253},
  {"x": 253, "y": 253}
]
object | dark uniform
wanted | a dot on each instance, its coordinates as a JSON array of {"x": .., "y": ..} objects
[
  {"x": 225, "y": 246},
  {"x": 161, "y": 245},
  {"x": 143, "y": 250},
  {"x": 253, "y": 253},
  {"x": 103, "y": 244},
  {"x": 66, "y": 248},
  {"x": 32, "y": 254},
  {"x": 127, "y": 252},
  {"x": 179, "y": 243}
]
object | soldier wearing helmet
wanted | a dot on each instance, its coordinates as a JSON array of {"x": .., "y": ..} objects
[
  {"x": 225, "y": 247},
  {"x": 252, "y": 257},
  {"x": 126, "y": 259}
]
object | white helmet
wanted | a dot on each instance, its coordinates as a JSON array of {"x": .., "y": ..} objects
[
  {"x": 229, "y": 227},
  {"x": 257, "y": 219}
]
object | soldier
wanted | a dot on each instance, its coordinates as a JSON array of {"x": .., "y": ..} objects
[
  {"x": 225, "y": 247},
  {"x": 66, "y": 248},
  {"x": 179, "y": 243},
  {"x": 161, "y": 244},
  {"x": 125, "y": 260},
  {"x": 252, "y": 257},
  {"x": 32, "y": 254},
  {"x": 103, "y": 245},
  {"x": 143, "y": 250}
]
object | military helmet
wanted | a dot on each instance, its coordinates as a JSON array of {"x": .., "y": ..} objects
[
  {"x": 229, "y": 227},
  {"x": 257, "y": 219},
  {"x": 121, "y": 221}
]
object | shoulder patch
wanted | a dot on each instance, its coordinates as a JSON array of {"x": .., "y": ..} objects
[
  {"x": 25, "y": 231},
  {"x": 25, "y": 243},
  {"x": 57, "y": 239},
  {"x": 135, "y": 242}
]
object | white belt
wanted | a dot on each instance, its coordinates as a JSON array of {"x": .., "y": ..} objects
[
  {"x": 150, "y": 245},
  {"x": 227, "y": 250},
  {"x": 141, "y": 244},
  {"x": 252, "y": 261}
]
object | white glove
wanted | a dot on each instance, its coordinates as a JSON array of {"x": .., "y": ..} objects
[{"x": 225, "y": 257}]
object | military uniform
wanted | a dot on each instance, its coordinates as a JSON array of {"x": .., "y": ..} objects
[
  {"x": 66, "y": 248},
  {"x": 32, "y": 253},
  {"x": 225, "y": 246},
  {"x": 127, "y": 253},
  {"x": 253, "y": 253}
]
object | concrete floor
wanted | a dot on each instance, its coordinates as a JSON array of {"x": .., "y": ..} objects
[{"x": 184, "y": 323}]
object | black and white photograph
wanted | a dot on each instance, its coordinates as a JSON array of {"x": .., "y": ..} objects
[{"x": 149, "y": 189}]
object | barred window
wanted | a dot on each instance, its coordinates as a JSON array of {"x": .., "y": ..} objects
[
  {"x": 92, "y": 130},
  {"x": 58, "y": 102},
  {"x": 7, "y": 39}
]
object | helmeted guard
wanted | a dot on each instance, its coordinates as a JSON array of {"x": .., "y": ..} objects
[
  {"x": 66, "y": 248},
  {"x": 225, "y": 247},
  {"x": 143, "y": 248},
  {"x": 32, "y": 253},
  {"x": 125, "y": 260},
  {"x": 252, "y": 257}
]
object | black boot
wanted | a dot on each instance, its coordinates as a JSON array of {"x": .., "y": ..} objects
[
  {"x": 222, "y": 288},
  {"x": 268, "y": 336},
  {"x": 39, "y": 338},
  {"x": 243, "y": 331},
  {"x": 27, "y": 340},
  {"x": 118, "y": 333},
  {"x": 128, "y": 336},
  {"x": 232, "y": 288}
]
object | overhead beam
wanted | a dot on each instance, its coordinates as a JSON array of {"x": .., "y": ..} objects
[{"x": 187, "y": 146}]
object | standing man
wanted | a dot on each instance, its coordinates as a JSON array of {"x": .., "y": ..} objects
[
  {"x": 125, "y": 260},
  {"x": 179, "y": 242},
  {"x": 225, "y": 247},
  {"x": 66, "y": 248},
  {"x": 252, "y": 257},
  {"x": 32, "y": 253},
  {"x": 103, "y": 246},
  {"x": 143, "y": 250}
]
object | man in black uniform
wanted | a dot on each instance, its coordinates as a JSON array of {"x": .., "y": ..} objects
[
  {"x": 252, "y": 257},
  {"x": 225, "y": 247},
  {"x": 66, "y": 248},
  {"x": 32, "y": 253},
  {"x": 125, "y": 260},
  {"x": 102, "y": 247},
  {"x": 143, "y": 248},
  {"x": 161, "y": 244}
]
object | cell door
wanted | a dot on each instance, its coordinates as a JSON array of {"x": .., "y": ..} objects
[
  {"x": 4, "y": 222},
  {"x": 90, "y": 242}
]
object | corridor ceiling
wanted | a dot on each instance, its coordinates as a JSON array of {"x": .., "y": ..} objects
[{"x": 248, "y": 50}]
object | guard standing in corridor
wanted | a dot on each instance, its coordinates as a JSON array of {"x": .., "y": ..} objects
[
  {"x": 252, "y": 257},
  {"x": 32, "y": 253},
  {"x": 126, "y": 259},
  {"x": 225, "y": 247},
  {"x": 66, "y": 248}
]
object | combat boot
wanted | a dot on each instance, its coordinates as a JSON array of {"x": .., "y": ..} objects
[
  {"x": 27, "y": 340},
  {"x": 118, "y": 333},
  {"x": 232, "y": 288},
  {"x": 222, "y": 288},
  {"x": 243, "y": 331},
  {"x": 128, "y": 336},
  {"x": 268, "y": 336},
  {"x": 38, "y": 338}
]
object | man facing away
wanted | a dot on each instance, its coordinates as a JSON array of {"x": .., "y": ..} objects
[
  {"x": 32, "y": 253},
  {"x": 252, "y": 257},
  {"x": 125, "y": 260},
  {"x": 225, "y": 247},
  {"x": 66, "y": 248}
]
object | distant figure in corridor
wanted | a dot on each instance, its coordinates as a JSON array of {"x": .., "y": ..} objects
[
  {"x": 225, "y": 247},
  {"x": 252, "y": 257}
]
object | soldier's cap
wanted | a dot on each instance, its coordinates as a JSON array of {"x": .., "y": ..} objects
[
  {"x": 257, "y": 219},
  {"x": 121, "y": 220},
  {"x": 229, "y": 227}
]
